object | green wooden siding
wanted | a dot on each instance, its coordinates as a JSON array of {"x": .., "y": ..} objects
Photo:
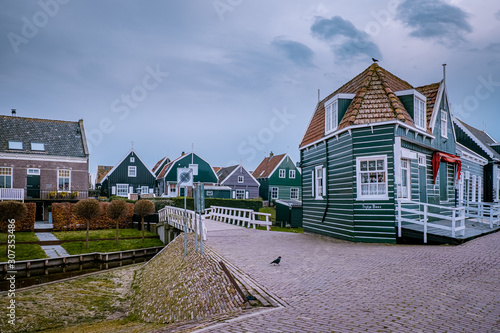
[
  {"x": 283, "y": 184},
  {"x": 205, "y": 171}
]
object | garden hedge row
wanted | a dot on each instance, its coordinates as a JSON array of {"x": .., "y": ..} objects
[
  {"x": 63, "y": 218},
  {"x": 26, "y": 224}
]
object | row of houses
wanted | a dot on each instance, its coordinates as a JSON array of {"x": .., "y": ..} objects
[
  {"x": 277, "y": 177},
  {"x": 378, "y": 142}
]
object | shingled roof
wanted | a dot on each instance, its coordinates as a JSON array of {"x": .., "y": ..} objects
[
  {"x": 267, "y": 166},
  {"x": 480, "y": 137},
  {"x": 102, "y": 171},
  {"x": 224, "y": 172},
  {"x": 60, "y": 138},
  {"x": 430, "y": 91},
  {"x": 374, "y": 101}
]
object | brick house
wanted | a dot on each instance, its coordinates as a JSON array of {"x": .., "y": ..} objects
[{"x": 43, "y": 161}]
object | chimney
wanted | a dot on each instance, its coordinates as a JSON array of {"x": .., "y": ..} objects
[
  {"x": 444, "y": 73},
  {"x": 13, "y": 112}
]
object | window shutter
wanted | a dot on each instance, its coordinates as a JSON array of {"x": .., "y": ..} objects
[
  {"x": 247, "y": 194},
  {"x": 234, "y": 194},
  {"x": 113, "y": 190},
  {"x": 480, "y": 189},
  {"x": 131, "y": 189},
  {"x": 313, "y": 185},
  {"x": 324, "y": 182}
]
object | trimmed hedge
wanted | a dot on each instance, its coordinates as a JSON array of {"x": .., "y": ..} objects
[
  {"x": 253, "y": 204},
  {"x": 63, "y": 218},
  {"x": 26, "y": 224}
]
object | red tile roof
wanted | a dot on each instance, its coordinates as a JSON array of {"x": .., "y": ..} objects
[
  {"x": 267, "y": 166},
  {"x": 374, "y": 101},
  {"x": 157, "y": 165},
  {"x": 102, "y": 171},
  {"x": 163, "y": 171}
]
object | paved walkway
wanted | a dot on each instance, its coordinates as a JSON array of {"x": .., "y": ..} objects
[
  {"x": 52, "y": 251},
  {"x": 335, "y": 286}
]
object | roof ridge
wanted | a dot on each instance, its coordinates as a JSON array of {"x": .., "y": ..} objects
[
  {"x": 394, "y": 101},
  {"x": 40, "y": 119}
]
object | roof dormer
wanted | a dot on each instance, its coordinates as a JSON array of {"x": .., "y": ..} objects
[
  {"x": 335, "y": 109},
  {"x": 415, "y": 104}
]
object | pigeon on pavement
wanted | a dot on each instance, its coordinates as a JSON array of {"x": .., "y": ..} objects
[{"x": 276, "y": 261}]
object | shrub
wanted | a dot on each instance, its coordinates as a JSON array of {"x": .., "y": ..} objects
[
  {"x": 87, "y": 209},
  {"x": 22, "y": 224},
  {"x": 117, "y": 209}
]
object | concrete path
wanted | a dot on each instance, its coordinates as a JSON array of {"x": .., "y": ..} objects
[
  {"x": 52, "y": 251},
  {"x": 335, "y": 286}
]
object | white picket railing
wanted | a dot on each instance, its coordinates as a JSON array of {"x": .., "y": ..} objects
[
  {"x": 483, "y": 212},
  {"x": 175, "y": 217},
  {"x": 12, "y": 194},
  {"x": 454, "y": 215},
  {"x": 238, "y": 216}
]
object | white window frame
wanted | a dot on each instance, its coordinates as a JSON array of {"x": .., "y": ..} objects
[
  {"x": 331, "y": 116},
  {"x": 210, "y": 193},
  {"x": 319, "y": 182},
  {"x": 422, "y": 160},
  {"x": 122, "y": 190},
  {"x": 291, "y": 174},
  {"x": 132, "y": 171},
  {"x": 241, "y": 179},
  {"x": 132, "y": 159},
  {"x": 474, "y": 185},
  {"x": 240, "y": 194},
  {"x": 479, "y": 188},
  {"x": 461, "y": 188},
  {"x": 272, "y": 192},
  {"x": 59, "y": 171},
  {"x": 7, "y": 172},
  {"x": 419, "y": 112},
  {"x": 38, "y": 146},
  {"x": 33, "y": 171},
  {"x": 360, "y": 195},
  {"x": 282, "y": 173},
  {"x": 144, "y": 189},
  {"x": 405, "y": 193},
  {"x": 14, "y": 145},
  {"x": 292, "y": 196},
  {"x": 444, "y": 124}
]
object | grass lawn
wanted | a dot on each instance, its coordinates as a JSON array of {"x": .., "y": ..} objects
[
  {"x": 99, "y": 234},
  {"x": 270, "y": 210},
  {"x": 110, "y": 246},
  {"x": 20, "y": 237},
  {"x": 274, "y": 228},
  {"x": 23, "y": 251}
]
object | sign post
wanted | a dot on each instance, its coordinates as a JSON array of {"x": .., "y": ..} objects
[{"x": 185, "y": 179}]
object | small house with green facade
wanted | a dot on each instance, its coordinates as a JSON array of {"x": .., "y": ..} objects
[
  {"x": 130, "y": 175},
  {"x": 374, "y": 142},
  {"x": 167, "y": 177},
  {"x": 279, "y": 178}
]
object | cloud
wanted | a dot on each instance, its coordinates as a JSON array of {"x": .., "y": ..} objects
[
  {"x": 493, "y": 47},
  {"x": 497, "y": 15},
  {"x": 345, "y": 40},
  {"x": 298, "y": 53},
  {"x": 434, "y": 19}
]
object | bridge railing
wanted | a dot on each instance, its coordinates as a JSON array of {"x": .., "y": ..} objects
[
  {"x": 238, "y": 216},
  {"x": 175, "y": 217}
]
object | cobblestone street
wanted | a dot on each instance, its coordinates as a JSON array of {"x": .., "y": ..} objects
[{"x": 335, "y": 286}]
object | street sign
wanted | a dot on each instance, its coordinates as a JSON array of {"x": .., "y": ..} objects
[{"x": 184, "y": 177}]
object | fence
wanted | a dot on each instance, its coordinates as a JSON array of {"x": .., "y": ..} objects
[
  {"x": 483, "y": 212},
  {"x": 175, "y": 217},
  {"x": 238, "y": 216},
  {"x": 12, "y": 194}
]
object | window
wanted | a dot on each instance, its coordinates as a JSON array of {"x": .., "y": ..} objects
[
  {"x": 444, "y": 124},
  {"x": 37, "y": 146},
  {"x": 5, "y": 177},
  {"x": 132, "y": 171},
  {"x": 331, "y": 116},
  {"x": 371, "y": 173},
  {"x": 34, "y": 172},
  {"x": 210, "y": 193},
  {"x": 274, "y": 192},
  {"x": 422, "y": 160},
  {"x": 318, "y": 190},
  {"x": 294, "y": 193},
  {"x": 241, "y": 179},
  {"x": 419, "y": 113},
  {"x": 474, "y": 185},
  {"x": 282, "y": 173},
  {"x": 240, "y": 194},
  {"x": 144, "y": 189},
  {"x": 405, "y": 179},
  {"x": 291, "y": 174},
  {"x": 64, "y": 180},
  {"x": 15, "y": 145},
  {"x": 132, "y": 159},
  {"x": 479, "y": 189},
  {"x": 122, "y": 190}
]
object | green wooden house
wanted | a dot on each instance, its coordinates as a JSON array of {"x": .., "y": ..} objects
[
  {"x": 167, "y": 177},
  {"x": 373, "y": 142},
  {"x": 130, "y": 175},
  {"x": 279, "y": 178}
]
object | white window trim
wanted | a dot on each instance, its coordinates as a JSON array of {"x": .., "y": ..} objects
[
  {"x": 130, "y": 168},
  {"x": 291, "y": 174},
  {"x": 132, "y": 159},
  {"x": 319, "y": 191},
  {"x": 33, "y": 171},
  {"x": 298, "y": 193},
  {"x": 360, "y": 196},
  {"x": 12, "y": 144},
  {"x": 474, "y": 184},
  {"x": 146, "y": 188},
  {"x": 479, "y": 188},
  {"x": 210, "y": 193},
  {"x": 331, "y": 115},
  {"x": 417, "y": 99},
  {"x": 408, "y": 180},
  {"x": 444, "y": 119},
  {"x": 282, "y": 173},
  {"x": 241, "y": 179},
  {"x": 11, "y": 176},
  {"x": 241, "y": 194},
  {"x": 122, "y": 186},
  {"x": 35, "y": 145},
  {"x": 422, "y": 160},
  {"x": 59, "y": 177},
  {"x": 277, "y": 192}
]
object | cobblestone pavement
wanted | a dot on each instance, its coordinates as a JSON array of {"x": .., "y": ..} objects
[{"x": 335, "y": 286}]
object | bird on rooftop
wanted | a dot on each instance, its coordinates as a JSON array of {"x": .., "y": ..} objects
[
  {"x": 276, "y": 261},
  {"x": 375, "y": 60}
]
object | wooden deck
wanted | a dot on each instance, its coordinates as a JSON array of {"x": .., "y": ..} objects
[{"x": 473, "y": 229}]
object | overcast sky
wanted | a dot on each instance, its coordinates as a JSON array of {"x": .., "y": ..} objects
[{"x": 236, "y": 78}]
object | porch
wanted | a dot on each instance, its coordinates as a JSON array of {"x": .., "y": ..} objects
[
  {"x": 16, "y": 194},
  {"x": 439, "y": 224}
]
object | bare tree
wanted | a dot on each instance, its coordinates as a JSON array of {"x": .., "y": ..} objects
[
  {"x": 87, "y": 209},
  {"x": 116, "y": 210},
  {"x": 144, "y": 208}
]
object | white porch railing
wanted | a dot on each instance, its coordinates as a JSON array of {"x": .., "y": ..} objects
[
  {"x": 455, "y": 216},
  {"x": 238, "y": 216},
  {"x": 483, "y": 212},
  {"x": 175, "y": 217},
  {"x": 12, "y": 194}
]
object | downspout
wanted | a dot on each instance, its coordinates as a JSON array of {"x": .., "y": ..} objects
[{"x": 325, "y": 180}]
